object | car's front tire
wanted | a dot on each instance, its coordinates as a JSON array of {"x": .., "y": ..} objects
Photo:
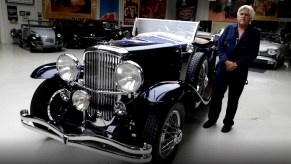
[
  {"x": 164, "y": 133},
  {"x": 41, "y": 98},
  {"x": 31, "y": 48},
  {"x": 20, "y": 43}
]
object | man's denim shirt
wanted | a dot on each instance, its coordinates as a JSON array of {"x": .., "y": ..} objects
[{"x": 242, "y": 51}]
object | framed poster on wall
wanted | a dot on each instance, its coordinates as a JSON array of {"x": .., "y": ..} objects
[
  {"x": 25, "y": 2},
  {"x": 131, "y": 11},
  {"x": 223, "y": 10},
  {"x": 12, "y": 13},
  {"x": 153, "y": 9},
  {"x": 77, "y": 9},
  {"x": 109, "y": 10},
  {"x": 265, "y": 9}
]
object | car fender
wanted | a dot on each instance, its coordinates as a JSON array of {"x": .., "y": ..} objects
[
  {"x": 169, "y": 92},
  {"x": 166, "y": 91},
  {"x": 45, "y": 71},
  {"x": 159, "y": 99}
]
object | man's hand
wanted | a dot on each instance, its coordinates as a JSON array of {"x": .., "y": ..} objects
[{"x": 230, "y": 66}]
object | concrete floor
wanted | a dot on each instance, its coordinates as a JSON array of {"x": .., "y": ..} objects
[{"x": 261, "y": 134}]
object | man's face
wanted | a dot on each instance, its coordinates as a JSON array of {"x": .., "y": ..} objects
[{"x": 244, "y": 17}]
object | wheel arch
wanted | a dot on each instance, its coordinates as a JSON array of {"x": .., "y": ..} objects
[
  {"x": 168, "y": 93},
  {"x": 45, "y": 71}
]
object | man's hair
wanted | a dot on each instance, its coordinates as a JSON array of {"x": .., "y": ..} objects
[{"x": 250, "y": 8}]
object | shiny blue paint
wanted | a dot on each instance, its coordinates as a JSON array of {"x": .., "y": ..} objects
[
  {"x": 167, "y": 91},
  {"x": 45, "y": 71}
]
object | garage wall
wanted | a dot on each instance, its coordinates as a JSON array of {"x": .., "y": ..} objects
[
  {"x": 6, "y": 25},
  {"x": 1, "y": 23}
]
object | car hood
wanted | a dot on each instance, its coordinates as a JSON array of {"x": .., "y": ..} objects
[
  {"x": 265, "y": 45},
  {"x": 143, "y": 40},
  {"x": 44, "y": 31}
]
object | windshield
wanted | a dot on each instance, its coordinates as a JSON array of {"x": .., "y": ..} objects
[{"x": 181, "y": 30}]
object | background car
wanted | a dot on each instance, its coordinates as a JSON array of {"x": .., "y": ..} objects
[
  {"x": 273, "y": 49},
  {"x": 130, "y": 97},
  {"x": 39, "y": 35},
  {"x": 88, "y": 33}
]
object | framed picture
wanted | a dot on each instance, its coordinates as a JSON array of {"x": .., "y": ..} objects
[
  {"x": 109, "y": 10},
  {"x": 131, "y": 11},
  {"x": 265, "y": 9},
  {"x": 12, "y": 13},
  {"x": 22, "y": 13},
  {"x": 79, "y": 9},
  {"x": 27, "y": 13},
  {"x": 25, "y": 2}
]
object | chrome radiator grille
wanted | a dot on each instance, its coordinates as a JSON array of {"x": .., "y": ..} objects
[
  {"x": 99, "y": 67},
  {"x": 264, "y": 53}
]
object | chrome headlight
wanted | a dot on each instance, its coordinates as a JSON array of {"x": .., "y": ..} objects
[
  {"x": 129, "y": 76},
  {"x": 81, "y": 100},
  {"x": 68, "y": 67},
  {"x": 272, "y": 52},
  {"x": 59, "y": 35}
]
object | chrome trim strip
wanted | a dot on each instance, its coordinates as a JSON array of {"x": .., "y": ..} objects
[
  {"x": 131, "y": 153},
  {"x": 112, "y": 48},
  {"x": 148, "y": 47},
  {"x": 270, "y": 59}
]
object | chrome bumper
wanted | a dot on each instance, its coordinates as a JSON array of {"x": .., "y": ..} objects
[
  {"x": 97, "y": 144},
  {"x": 265, "y": 60}
]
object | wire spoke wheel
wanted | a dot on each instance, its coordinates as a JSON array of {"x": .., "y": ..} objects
[
  {"x": 203, "y": 77},
  {"x": 171, "y": 134},
  {"x": 164, "y": 132}
]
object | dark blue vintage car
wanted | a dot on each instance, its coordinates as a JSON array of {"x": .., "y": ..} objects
[{"x": 130, "y": 96}]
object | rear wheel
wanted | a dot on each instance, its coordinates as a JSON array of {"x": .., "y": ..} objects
[
  {"x": 197, "y": 73},
  {"x": 164, "y": 133}
]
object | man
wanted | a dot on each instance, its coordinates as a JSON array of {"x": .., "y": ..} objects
[{"x": 237, "y": 47}]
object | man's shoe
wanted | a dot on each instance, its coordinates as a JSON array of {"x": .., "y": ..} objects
[
  {"x": 226, "y": 128},
  {"x": 208, "y": 124}
]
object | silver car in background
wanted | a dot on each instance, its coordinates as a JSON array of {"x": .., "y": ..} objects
[
  {"x": 39, "y": 35},
  {"x": 273, "y": 49}
]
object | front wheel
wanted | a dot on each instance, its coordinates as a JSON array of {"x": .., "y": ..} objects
[
  {"x": 31, "y": 48},
  {"x": 41, "y": 98},
  {"x": 20, "y": 43},
  {"x": 164, "y": 133}
]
